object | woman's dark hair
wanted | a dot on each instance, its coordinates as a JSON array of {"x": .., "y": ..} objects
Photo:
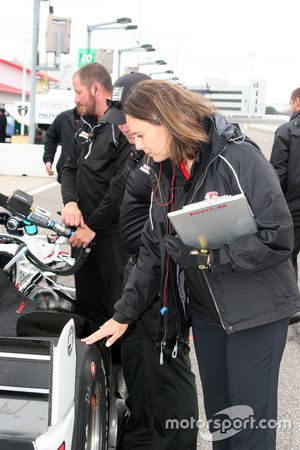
[{"x": 182, "y": 112}]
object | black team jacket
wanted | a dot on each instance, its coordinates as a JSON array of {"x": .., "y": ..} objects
[
  {"x": 93, "y": 174},
  {"x": 61, "y": 131},
  {"x": 285, "y": 158}
]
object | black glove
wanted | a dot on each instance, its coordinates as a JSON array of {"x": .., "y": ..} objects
[{"x": 184, "y": 255}]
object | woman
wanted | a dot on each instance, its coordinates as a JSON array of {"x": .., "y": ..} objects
[{"x": 242, "y": 294}]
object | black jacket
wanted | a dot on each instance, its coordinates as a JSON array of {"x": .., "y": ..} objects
[
  {"x": 251, "y": 281},
  {"x": 93, "y": 174},
  {"x": 285, "y": 158},
  {"x": 61, "y": 131},
  {"x": 134, "y": 210}
]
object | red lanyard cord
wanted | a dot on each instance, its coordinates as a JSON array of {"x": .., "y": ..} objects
[{"x": 171, "y": 201}]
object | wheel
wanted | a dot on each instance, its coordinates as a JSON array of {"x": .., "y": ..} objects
[{"x": 91, "y": 399}]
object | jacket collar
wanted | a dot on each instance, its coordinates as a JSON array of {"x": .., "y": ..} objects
[
  {"x": 296, "y": 115},
  {"x": 93, "y": 124},
  {"x": 220, "y": 132}
]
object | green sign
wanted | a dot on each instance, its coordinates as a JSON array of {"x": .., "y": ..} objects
[{"x": 86, "y": 56}]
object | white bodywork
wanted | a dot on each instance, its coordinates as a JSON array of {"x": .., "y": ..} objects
[{"x": 63, "y": 391}]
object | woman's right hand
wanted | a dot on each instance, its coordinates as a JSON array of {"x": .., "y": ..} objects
[{"x": 110, "y": 328}]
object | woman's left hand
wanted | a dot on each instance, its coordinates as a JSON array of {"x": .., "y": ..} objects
[{"x": 110, "y": 328}]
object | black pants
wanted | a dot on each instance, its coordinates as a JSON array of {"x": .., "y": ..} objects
[
  {"x": 296, "y": 246},
  {"x": 99, "y": 281},
  {"x": 240, "y": 371},
  {"x": 157, "y": 392}
]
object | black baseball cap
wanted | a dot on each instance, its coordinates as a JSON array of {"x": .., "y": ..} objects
[{"x": 121, "y": 90}]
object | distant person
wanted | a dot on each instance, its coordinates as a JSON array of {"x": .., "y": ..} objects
[
  {"x": 10, "y": 127},
  {"x": 285, "y": 158},
  {"x": 3, "y": 123},
  {"x": 60, "y": 132},
  {"x": 40, "y": 136}
]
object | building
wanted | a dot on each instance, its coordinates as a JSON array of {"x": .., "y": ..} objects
[
  {"x": 235, "y": 100},
  {"x": 11, "y": 82}
]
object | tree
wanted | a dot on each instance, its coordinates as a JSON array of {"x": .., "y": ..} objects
[{"x": 271, "y": 110}]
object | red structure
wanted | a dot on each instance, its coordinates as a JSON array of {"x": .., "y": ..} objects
[{"x": 11, "y": 80}]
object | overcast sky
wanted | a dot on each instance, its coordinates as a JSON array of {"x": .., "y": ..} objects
[{"x": 232, "y": 39}]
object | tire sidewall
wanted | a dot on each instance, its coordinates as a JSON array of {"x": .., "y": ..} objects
[{"x": 90, "y": 380}]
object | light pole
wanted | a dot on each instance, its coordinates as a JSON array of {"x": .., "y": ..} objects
[
  {"x": 159, "y": 62},
  {"x": 139, "y": 48},
  {"x": 158, "y": 73},
  {"x": 121, "y": 23},
  {"x": 34, "y": 63},
  {"x": 250, "y": 56}
]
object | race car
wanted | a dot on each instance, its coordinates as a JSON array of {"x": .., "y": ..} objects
[{"x": 56, "y": 393}]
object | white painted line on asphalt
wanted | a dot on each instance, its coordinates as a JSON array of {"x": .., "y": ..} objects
[
  {"x": 258, "y": 126},
  {"x": 43, "y": 188}
]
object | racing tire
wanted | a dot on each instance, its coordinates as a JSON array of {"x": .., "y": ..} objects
[{"x": 91, "y": 399}]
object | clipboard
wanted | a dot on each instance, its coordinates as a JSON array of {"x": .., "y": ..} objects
[{"x": 214, "y": 222}]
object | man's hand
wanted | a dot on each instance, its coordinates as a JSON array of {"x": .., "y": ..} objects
[
  {"x": 82, "y": 237},
  {"x": 49, "y": 170},
  {"x": 71, "y": 215},
  {"x": 110, "y": 328},
  {"x": 184, "y": 255}
]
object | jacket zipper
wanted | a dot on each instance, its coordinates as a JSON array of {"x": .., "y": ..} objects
[
  {"x": 214, "y": 300},
  {"x": 205, "y": 277},
  {"x": 206, "y": 170},
  {"x": 92, "y": 130}
]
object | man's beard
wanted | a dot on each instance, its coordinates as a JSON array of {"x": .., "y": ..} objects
[{"x": 89, "y": 109}]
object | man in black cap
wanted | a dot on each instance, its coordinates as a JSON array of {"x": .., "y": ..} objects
[{"x": 156, "y": 392}]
